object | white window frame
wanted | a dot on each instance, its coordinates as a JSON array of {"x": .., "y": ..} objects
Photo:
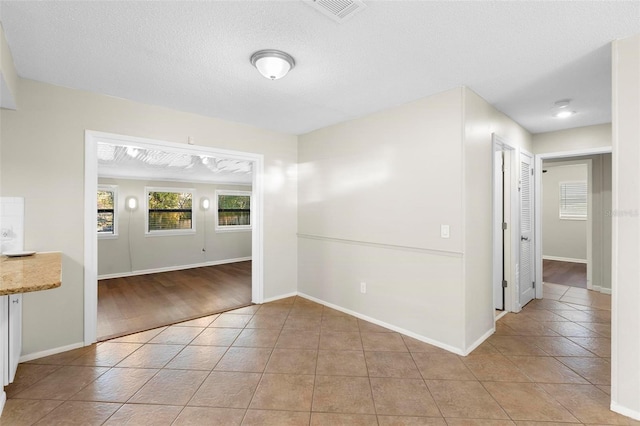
[
  {"x": 233, "y": 228},
  {"x": 168, "y": 232},
  {"x": 114, "y": 234},
  {"x": 566, "y": 215}
]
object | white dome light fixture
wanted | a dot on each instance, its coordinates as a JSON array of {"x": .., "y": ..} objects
[
  {"x": 272, "y": 64},
  {"x": 561, "y": 109}
]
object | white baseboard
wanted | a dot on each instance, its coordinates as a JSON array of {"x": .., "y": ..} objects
[
  {"x": 3, "y": 399},
  {"x": 441, "y": 345},
  {"x": 564, "y": 259},
  {"x": 42, "y": 354},
  {"x": 602, "y": 290},
  {"x": 481, "y": 339},
  {"x": 501, "y": 314},
  {"x": 625, "y": 411},
  {"x": 282, "y": 296},
  {"x": 172, "y": 268}
]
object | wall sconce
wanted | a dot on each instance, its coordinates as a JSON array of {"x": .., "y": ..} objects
[
  {"x": 205, "y": 203},
  {"x": 132, "y": 203}
]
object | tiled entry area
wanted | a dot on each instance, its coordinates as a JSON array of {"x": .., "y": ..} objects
[{"x": 294, "y": 362}]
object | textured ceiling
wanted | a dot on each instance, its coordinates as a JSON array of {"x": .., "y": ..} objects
[{"x": 520, "y": 56}]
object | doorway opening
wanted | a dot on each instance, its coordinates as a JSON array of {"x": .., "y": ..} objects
[
  {"x": 567, "y": 221},
  {"x": 582, "y": 256},
  {"x": 167, "y": 244}
]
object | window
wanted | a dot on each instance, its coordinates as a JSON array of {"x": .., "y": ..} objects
[
  {"x": 170, "y": 211},
  {"x": 573, "y": 200},
  {"x": 107, "y": 208},
  {"x": 233, "y": 210}
]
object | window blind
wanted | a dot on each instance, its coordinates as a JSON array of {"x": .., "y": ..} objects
[{"x": 573, "y": 200}]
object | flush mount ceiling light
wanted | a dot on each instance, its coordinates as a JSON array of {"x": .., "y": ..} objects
[
  {"x": 561, "y": 109},
  {"x": 273, "y": 64}
]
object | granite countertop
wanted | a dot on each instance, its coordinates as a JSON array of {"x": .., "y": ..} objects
[{"x": 42, "y": 271}]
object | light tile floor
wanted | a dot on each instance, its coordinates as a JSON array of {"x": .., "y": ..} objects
[{"x": 294, "y": 362}]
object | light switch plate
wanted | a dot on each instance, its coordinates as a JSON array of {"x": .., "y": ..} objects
[{"x": 444, "y": 231}]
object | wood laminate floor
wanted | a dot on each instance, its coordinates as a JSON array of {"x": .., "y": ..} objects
[
  {"x": 565, "y": 273},
  {"x": 132, "y": 304}
]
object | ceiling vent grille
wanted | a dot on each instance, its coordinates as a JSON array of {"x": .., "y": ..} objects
[{"x": 338, "y": 10}]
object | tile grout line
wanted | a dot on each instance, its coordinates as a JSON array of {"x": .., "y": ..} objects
[
  {"x": 156, "y": 373},
  {"x": 267, "y": 363},
  {"x": 534, "y": 339},
  {"x": 366, "y": 366}
]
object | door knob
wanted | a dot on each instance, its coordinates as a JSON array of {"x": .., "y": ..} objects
[{"x": 524, "y": 238}]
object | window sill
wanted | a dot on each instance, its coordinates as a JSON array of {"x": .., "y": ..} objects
[
  {"x": 233, "y": 228},
  {"x": 170, "y": 233},
  {"x": 107, "y": 236}
]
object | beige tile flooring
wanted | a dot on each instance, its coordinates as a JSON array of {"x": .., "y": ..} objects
[{"x": 294, "y": 362}]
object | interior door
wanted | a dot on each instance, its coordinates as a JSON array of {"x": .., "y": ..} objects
[
  {"x": 498, "y": 248},
  {"x": 526, "y": 281}
]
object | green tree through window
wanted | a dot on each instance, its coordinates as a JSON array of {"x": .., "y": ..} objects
[
  {"x": 234, "y": 210},
  {"x": 170, "y": 210},
  {"x": 106, "y": 214}
]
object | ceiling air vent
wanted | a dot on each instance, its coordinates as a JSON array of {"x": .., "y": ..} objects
[{"x": 338, "y": 10}]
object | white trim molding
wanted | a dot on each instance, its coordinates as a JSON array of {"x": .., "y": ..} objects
[
  {"x": 481, "y": 339},
  {"x": 624, "y": 411},
  {"x": 48, "y": 352},
  {"x": 564, "y": 259},
  {"x": 381, "y": 245},
  {"x": 172, "y": 268},
  {"x": 114, "y": 191},
  {"x": 441, "y": 345},
  {"x": 231, "y": 228},
  {"x": 539, "y": 158},
  {"x": 168, "y": 232},
  {"x": 92, "y": 138},
  {"x": 603, "y": 290},
  {"x": 282, "y": 296}
]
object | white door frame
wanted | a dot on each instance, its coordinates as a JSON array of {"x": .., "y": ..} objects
[
  {"x": 539, "y": 158},
  {"x": 90, "y": 220},
  {"x": 589, "y": 232},
  {"x": 511, "y": 219}
]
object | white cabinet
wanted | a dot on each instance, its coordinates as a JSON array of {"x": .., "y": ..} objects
[{"x": 11, "y": 335}]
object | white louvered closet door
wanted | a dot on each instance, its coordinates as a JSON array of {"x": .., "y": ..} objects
[{"x": 527, "y": 263}]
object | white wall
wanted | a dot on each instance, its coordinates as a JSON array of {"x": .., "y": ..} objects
[
  {"x": 625, "y": 315},
  {"x": 373, "y": 193},
  {"x": 562, "y": 238},
  {"x": 43, "y": 160},
  {"x": 579, "y": 138},
  {"x": 480, "y": 121},
  {"x": 152, "y": 252}
]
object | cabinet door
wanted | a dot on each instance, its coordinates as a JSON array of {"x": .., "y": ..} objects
[{"x": 15, "y": 334}]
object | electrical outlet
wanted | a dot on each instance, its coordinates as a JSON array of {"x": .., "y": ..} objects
[{"x": 363, "y": 287}]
